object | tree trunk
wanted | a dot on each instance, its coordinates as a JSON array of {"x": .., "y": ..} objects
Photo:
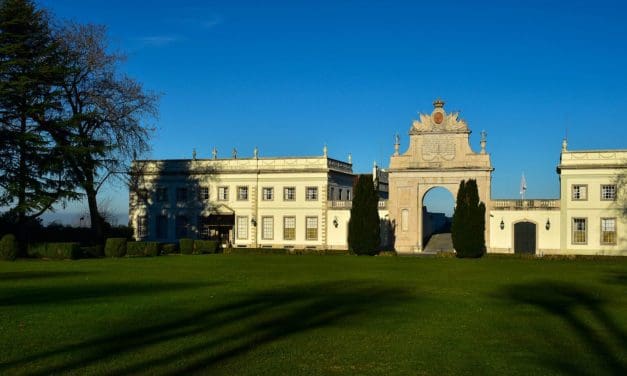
[
  {"x": 97, "y": 222},
  {"x": 21, "y": 195}
]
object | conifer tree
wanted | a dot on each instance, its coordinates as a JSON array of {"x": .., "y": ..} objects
[
  {"x": 31, "y": 164},
  {"x": 363, "y": 226},
  {"x": 468, "y": 228}
]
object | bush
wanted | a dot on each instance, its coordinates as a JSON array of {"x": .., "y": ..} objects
[
  {"x": 259, "y": 251},
  {"x": 169, "y": 248},
  {"x": 205, "y": 246},
  {"x": 115, "y": 247},
  {"x": 387, "y": 253},
  {"x": 60, "y": 251},
  {"x": 186, "y": 246},
  {"x": 8, "y": 247},
  {"x": 93, "y": 251},
  {"x": 142, "y": 249}
]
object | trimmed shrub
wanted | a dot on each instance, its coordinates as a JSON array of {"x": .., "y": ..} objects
[
  {"x": 205, "y": 246},
  {"x": 387, "y": 253},
  {"x": 186, "y": 246},
  {"x": 8, "y": 247},
  {"x": 169, "y": 248},
  {"x": 259, "y": 251},
  {"x": 58, "y": 251},
  {"x": 115, "y": 247},
  {"x": 142, "y": 249},
  {"x": 94, "y": 251},
  {"x": 151, "y": 249}
]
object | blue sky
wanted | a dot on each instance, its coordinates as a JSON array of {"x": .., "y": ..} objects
[{"x": 289, "y": 77}]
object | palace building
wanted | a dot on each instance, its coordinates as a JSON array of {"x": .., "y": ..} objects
[{"x": 304, "y": 202}]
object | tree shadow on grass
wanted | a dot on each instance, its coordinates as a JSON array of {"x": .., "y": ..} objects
[
  {"x": 195, "y": 342},
  {"x": 584, "y": 313},
  {"x": 27, "y": 275},
  {"x": 30, "y": 295}
]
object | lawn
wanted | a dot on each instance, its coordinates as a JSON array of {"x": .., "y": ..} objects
[{"x": 276, "y": 314}]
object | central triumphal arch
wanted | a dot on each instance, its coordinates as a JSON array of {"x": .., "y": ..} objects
[{"x": 439, "y": 155}]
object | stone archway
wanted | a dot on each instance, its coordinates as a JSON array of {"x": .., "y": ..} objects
[
  {"x": 435, "y": 219},
  {"x": 439, "y": 155}
]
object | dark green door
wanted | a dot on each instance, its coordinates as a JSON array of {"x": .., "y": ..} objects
[{"x": 525, "y": 237}]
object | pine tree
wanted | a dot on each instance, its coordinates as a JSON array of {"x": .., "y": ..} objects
[
  {"x": 31, "y": 164},
  {"x": 468, "y": 228},
  {"x": 363, "y": 226}
]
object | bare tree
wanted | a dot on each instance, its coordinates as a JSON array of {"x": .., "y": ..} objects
[{"x": 105, "y": 112}]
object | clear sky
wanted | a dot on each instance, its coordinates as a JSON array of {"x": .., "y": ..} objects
[{"x": 290, "y": 76}]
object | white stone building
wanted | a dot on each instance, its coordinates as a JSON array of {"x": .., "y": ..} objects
[
  {"x": 304, "y": 202},
  {"x": 291, "y": 202}
]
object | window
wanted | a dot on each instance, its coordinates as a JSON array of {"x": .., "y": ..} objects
[
  {"x": 608, "y": 230},
  {"x": 223, "y": 193},
  {"x": 608, "y": 192},
  {"x": 162, "y": 227},
  {"x": 579, "y": 230},
  {"x": 242, "y": 227},
  {"x": 580, "y": 192},
  {"x": 142, "y": 226},
  {"x": 348, "y": 195},
  {"x": 204, "y": 193},
  {"x": 267, "y": 193},
  {"x": 311, "y": 193},
  {"x": 162, "y": 194},
  {"x": 311, "y": 228},
  {"x": 339, "y": 195},
  {"x": 181, "y": 226},
  {"x": 203, "y": 227},
  {"x": 289, "y": 193},
  {"x": 267, "y": 228},
  {"x": 405, "y": 220},
  {"x": 181, "y": 194},
  {"x": 242, "y": 193},
  {"x": 289, "y": 228},
  {"x": 331, "y": 193},
  {"x": 142, "y": 196}
]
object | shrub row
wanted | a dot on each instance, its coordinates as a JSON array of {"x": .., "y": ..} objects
[
  {"x": 142, "y": 249},
  {"x": 58, "y": 251},
  {"x": 191, "y": 246},
  {"x": 8, "y": 247},
  {"x": 283, "y": 251}
]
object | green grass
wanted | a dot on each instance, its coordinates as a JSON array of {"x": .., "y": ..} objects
[{"x": 273, "y": 314}]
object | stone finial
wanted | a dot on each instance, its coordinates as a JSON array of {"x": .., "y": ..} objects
[
  {"x": 397, "y": 143},
  {"x": 214, "y": 153},
  {"x": 325, "y": 151},
  {"x": 256, "y": 153},
  {"x": 194, "y": 154},
  {"x": 484, "y": 135},
  {"x": 350, "y": 158},
  {"x": 564, "y": 144},
  {"x": 438, "y": 103},
  {"x": 234, "y": 152}
]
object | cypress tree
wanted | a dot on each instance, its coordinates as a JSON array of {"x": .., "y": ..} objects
[
  {"x": 363, "y": 226},
  {"x": 468, "y": 228}
]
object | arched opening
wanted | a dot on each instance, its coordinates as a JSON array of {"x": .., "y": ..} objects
[
  {"x": 525, "y": 237},
  {"x": 437, "y": 215}
]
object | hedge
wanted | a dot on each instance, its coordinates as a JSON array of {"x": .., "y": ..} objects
[
  {"x": 93, "y": 251},
  {"x": 186, "y": 246},
  {"x": 115, "y": 247},
  {"x": 169, "y": 248},
  {"x": 142, "y": 249},
  {"x": 205, "y": 246},
  {"x": 61, "y": 251},
  {"x": 8, "y": 247}
]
